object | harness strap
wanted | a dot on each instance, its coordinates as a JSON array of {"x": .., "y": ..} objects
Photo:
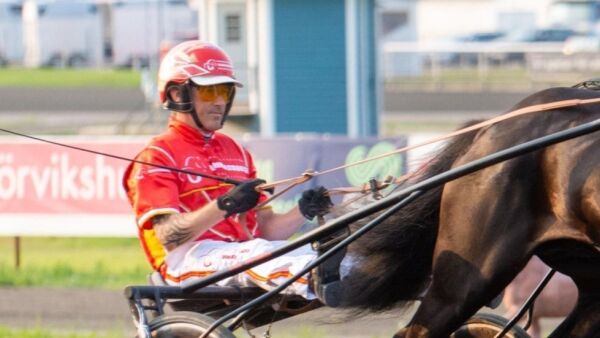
[{"x": 306, "y": 176}]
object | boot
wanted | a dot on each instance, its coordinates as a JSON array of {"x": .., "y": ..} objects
[{"x": 325, "y": 278}]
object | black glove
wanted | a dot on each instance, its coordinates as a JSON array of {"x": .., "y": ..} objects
[
  {"x": 241, "y": 198},
  {"x": 314, "y": 202}
]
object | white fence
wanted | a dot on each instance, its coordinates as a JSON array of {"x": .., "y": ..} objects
[{"x": 492, "y": 65}]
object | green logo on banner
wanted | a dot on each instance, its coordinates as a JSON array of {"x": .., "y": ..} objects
[
  {"x": 379, "y": 169},
  {"x": 265, "y": 169}
]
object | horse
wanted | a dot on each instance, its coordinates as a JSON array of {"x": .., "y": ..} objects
[
  {"x": 459, "y": 245},
  {"x": 557, "y": 299}
]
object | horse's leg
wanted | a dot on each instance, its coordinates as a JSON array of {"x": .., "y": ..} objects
[
  {"x": 475, "y": 255},
  {"x": 457, "y": 291}
]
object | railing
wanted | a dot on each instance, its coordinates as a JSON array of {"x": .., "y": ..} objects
[{"x": 493, "y": 66}]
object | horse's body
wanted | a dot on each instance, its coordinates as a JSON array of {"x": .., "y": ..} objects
[
  {"x": 557, "y": 299},
  {"x": 461, "y": 244}
]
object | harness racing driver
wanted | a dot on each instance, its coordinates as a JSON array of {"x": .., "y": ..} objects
[{"x": 191, "y": 226}]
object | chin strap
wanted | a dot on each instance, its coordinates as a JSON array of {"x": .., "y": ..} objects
[
  {"x": 228, "y": 106},
  {"x": 196, "y": 119}
]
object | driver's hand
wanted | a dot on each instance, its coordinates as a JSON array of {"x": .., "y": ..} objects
[
  {"x": 314, "y": 202},
  {"x": 241, "y": 198}
]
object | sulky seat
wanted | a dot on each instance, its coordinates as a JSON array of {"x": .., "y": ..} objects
[{"x": 216, "y": 301}]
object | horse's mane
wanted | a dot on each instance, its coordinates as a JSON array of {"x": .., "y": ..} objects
[{"x": 393, "y": 260}]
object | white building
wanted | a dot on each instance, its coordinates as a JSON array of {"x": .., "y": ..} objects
[
  {"x": 140, "y": 27},
  {"x": 11, "y": 38},
  {"x": 92, "y": 32},
  {"x": 69, "y": 34},
  {"x": 414, "y": 30},
  {"x": 434, "y": 20}
]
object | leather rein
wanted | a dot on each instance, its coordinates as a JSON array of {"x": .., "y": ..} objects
[{"x": 372, "y": 186}]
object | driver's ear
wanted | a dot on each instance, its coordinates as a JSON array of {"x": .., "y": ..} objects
[{"x": 175, "y": 94}]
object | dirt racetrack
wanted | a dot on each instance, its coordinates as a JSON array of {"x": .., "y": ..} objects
[
  {"x": 101, "y": 310},
  {"x": 88, "y": 310}
]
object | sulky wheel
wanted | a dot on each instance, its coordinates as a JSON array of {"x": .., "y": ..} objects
[
  {"x": 487, "y": 325},
  {"x": 184, "y": 324}
]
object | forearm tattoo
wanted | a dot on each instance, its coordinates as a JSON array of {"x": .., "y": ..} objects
[{"x": 171, "y": 230}]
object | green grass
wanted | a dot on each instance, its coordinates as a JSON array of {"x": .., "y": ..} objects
[
  {"x": 68, "y": 78},
  {"x": 298, "y": 332},
  {"x": 303, "y": 331},
  {"x": 45, "y": 333},
  {"x": 109, "y": 263}
]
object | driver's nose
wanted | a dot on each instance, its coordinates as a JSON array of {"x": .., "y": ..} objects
[{"x": 220, "y": 100}]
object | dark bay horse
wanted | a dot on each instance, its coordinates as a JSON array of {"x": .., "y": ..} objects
[{"x": 458, "y": 246}]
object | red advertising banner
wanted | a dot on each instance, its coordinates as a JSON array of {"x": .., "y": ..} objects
[
  {"x": 49, "y": 190},
  {"x": 43, "y": 178}
]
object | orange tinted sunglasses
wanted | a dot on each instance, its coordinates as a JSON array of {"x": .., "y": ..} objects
[{"x": 212, "y": 92}]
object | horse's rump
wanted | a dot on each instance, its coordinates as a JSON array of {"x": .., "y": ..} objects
[
  {"x": 502, "y": 213},
  {"x": 558, "y": 186}
]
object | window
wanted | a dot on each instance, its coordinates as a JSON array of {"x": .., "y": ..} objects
[
  {"x": 390, "y": 21},
  {"x": 232, "y": 28}
]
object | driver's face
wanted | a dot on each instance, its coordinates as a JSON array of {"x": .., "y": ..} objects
[{"x": 210, "y": 103}]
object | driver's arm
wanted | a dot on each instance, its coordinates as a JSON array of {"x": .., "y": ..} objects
[
  {"x": 176, "y": 229},
  {"x": 279, "y": 226}
]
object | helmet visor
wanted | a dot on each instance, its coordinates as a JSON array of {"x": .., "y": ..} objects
[
  {"x": 212, "y": 92},
  {"x": 213, "y": 80}
]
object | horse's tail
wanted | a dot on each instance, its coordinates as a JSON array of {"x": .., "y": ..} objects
[{"x": 393, "y": 260}]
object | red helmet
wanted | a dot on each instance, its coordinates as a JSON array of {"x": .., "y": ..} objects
[{"x": 200, "y": 62}]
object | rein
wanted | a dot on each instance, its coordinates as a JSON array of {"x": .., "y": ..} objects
[
  {"x": 309, "y": 174},
  {"x": 195, "y": 173}
]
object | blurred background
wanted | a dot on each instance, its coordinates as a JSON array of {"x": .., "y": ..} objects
[
  {"x": 424, "y": 64},
  {"x": 327, "y": 81}
]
